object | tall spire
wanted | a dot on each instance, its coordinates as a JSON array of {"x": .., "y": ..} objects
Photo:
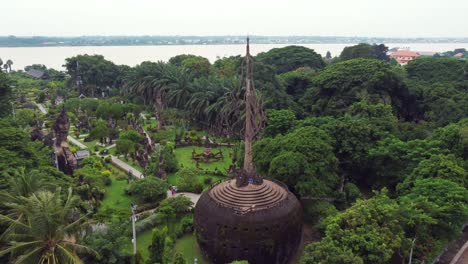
[{"x": 248, "y": 175}]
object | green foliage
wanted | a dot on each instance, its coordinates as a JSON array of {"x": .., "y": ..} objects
[
  {"x": 179, "y": 259},
  {"x": 307, "y": 152},
  {"x": 454, "y": 137},
  {"x": 87, "y": 105},
  {"x": 433, "y": 212},
  {"x": 107, "y": 110},
  {"x": 352, "y": 192},
  {"x": 149, "y": 189},
  {"x": 125, "y": 146},
  {"x": 340, "y": 85},
  {"x": 186, "y": 179},
  {"x": 290, "y": 58},
  {"x": 25, "y": 117},
  {"x": 279, "y": 122},
  {"x": 41, "y": 231},
  {"x": 438, "y": 166},
  {"x": 198, "y": 66},
  {"x": 109, "y": 243},
  {"x": 161, "y": 247},
  {"x": 180, "y": 204},
  {"x": 367, "y": 232},
  {"x": 5, "y": 95},
  {"x": 16, "y": 149},
  {"x": 99, "y": 131},
  {"x": 326, "y": 251},
  {"x": 437, "y": 69},
  {"x": 95, "y": 71},
  {"x": 297, "y": 81},
  {"x": 316, "y": 211},
  {"x": 365, "y": 51},
  {"x": 156, "y": 248}
]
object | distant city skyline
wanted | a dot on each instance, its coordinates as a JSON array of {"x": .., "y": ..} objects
[{"x": 358, "y": 18}]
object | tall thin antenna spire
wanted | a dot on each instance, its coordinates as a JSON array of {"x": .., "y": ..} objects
[{"x": 248, "y": 174}]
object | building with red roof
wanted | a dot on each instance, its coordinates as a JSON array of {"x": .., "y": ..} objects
[{"x": 404, "y": 56}]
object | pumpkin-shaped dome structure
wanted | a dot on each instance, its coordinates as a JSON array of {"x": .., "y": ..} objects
[{"x": 261, "y": 223}]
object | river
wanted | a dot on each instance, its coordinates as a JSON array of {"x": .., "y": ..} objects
[{"x": 54, "y": 57}]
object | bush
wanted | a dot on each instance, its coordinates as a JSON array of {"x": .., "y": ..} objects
[
  {"x": 96, "y": 148},
  {"x": 197, "y": 188},
  {"x": 207, "y": 181},
  {"x": 181, "y": 204},
  {"x": 108, "y": 159},
  {"x": 186, "y": 179},
  {"x": 97, "y": 164},
  {"x": 149, "y": 189},
  {"x": 106, "y": 175},
  {"x": 148, "y": 223},
  {"x": 318, "y": 210},
  {"x": 352, "y": 193},
  {"x": 186, "y": 224}
]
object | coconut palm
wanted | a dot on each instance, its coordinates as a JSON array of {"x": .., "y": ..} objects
[
  {"x": 46, "y": 232},
  {"x": 178, "y": 82},
  {"x": 146, "y": 79},
  {"x": 20, "y": 185}
]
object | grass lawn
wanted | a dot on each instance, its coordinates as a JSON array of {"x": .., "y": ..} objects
[
  {"x": 172, "y": 179},
  {"x": 115, "y": 197},
  {"x": 188, "y": 247},
  {"x": 184, "y": 157}
]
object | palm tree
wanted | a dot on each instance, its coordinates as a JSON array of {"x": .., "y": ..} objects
[
  {"x": 46, "y": 232},
  {"x": 151, "y": 80},
  {"x": 21, "y": 185},
  {"x": 178, "y": 84}
]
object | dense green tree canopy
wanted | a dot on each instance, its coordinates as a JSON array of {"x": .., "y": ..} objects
[
  {"x": 340, "y": 85},
  {"x": 437, "y": 69},
  {"x": 149, "y": 189},
  {"x": 308, "y": 148},
  {"x": 433, "y": 212},
  {"x": 290, "y": 58},
  {"x": 365, "y": 51},
  {"x": 297, "y": 81},
  {"x": 5, "y": 95},
  {"x": 279, "y": 122},
  {"x": 367, "y": 232},
  {"x": 197, "y": 65},
  {"x": 96, "y": 72}
]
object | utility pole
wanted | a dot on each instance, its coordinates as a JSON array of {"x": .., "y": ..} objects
[
  {"x": 134, "y": 206},
  {"x": 411, "y": 251}
]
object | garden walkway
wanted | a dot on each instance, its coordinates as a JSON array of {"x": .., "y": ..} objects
[
  {"x": 124, "y": 166},
  {"x": 462, "y": 255},
  {"x": 76, "y": 142},
  {"x": 192, "y": 196}
]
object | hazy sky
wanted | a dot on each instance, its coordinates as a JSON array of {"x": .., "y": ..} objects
[{"x": 373, "y": 18}]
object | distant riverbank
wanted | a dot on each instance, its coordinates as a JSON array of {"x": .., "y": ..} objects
[{"x": 54, "y": 57}]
